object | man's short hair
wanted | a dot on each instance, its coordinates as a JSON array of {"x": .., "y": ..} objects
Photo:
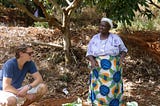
[{"x": 21, "y": 48}]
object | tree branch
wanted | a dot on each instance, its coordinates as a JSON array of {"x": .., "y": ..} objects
[
  {"x": 42, "y": 7},
  {"x": 52, "y": 21},
  {"x": 72, "y": 5},
  {"x": 25, "y": 10},
  {"x": 47, "y": 44},
  {"x": 151, "y": 2},
  {"x": 55, "y": 5},
  {"x": 69, "y": 3}
]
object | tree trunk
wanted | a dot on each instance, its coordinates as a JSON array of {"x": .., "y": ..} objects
[{"x": 66, "y": 38}]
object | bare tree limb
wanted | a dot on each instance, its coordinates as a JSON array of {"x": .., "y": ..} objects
[
  {"x": 151, "y": 2},
  {"x": 72, "y": 5},
  {"x": 52, "y": 21},
  {"x": 69, "y": 3},
  {"x": 24, "y": 9},
  {"x": 47, "y": 44},
  {"x": 55, "y": 5}
]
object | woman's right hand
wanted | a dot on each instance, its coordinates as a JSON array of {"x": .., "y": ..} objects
[{"x": 94, "y": 63}]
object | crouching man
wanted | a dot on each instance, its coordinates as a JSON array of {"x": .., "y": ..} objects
[{"x": 12, "y": 76}]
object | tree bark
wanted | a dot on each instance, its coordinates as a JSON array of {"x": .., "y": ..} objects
[
  {"x": 66, "y": 38},
  {"x": 66, "y": 29}
]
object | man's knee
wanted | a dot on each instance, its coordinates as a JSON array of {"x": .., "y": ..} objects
[
  {"x": 42, "y": 89},
  {"x": 11, "y": 101}
]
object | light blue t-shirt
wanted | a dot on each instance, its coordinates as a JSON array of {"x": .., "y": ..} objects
[{"x": 10, "y": 69}]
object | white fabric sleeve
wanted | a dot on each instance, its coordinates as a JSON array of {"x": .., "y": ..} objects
[
  {"x": 122, "y": 46},
  {"x": 89, "y": 51}
]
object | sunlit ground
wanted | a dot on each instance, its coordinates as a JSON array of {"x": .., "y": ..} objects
[{"x": 142, "y": 92}]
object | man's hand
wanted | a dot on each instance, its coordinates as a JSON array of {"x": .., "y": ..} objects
[
  {"x": 23, "y": 92},
  {"x": 30, "y": 96}
]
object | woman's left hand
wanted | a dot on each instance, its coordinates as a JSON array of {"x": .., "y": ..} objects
[{"x": 122, "y": 60}]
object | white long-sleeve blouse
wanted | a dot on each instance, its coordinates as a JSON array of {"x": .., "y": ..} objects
[{"x": 113, "y": 45}]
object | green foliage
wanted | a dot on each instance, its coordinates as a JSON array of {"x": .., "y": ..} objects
[
  {"x": 150, "y": 25},
  {"x": 122, "y": 10},
  {"x": 80, "y": 17},
  {"x": 6, "y": 3},
  {"x": 41, "y": 24},
  {"x": 143, "y": 24},
  {"x": 62, "y": 3}
]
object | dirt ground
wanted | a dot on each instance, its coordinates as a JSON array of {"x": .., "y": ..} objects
[{"x": 141, "y": 70}]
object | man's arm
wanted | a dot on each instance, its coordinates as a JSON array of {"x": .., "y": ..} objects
[
  {"x": 37, "y": 79},
  {"x": 7, "y": 86}
]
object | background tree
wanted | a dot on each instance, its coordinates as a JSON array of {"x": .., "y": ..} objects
[
  {"x": 57, "y": 13},
  {"x": 124, "y": 11}
]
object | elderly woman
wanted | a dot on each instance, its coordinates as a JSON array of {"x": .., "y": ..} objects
[{"x": 105, "y": 52}]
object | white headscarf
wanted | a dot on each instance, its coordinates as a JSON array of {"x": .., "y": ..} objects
[{"x": 108, "y": 20}]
